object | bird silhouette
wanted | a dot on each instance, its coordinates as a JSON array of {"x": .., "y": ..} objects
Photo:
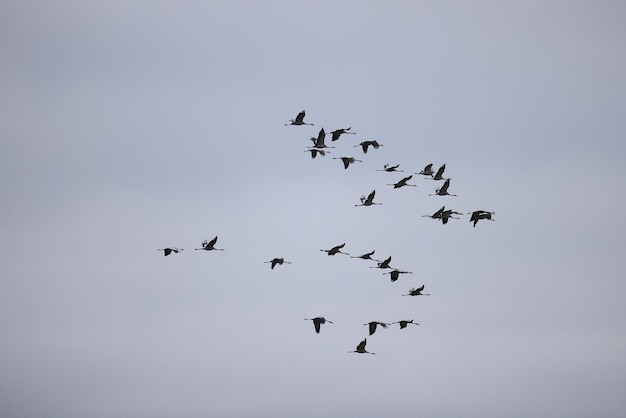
[
  {"x": 315, "y": 151},
  {"x": 347, "y": 161},
  {"x": 443, "y": 190},
  {"x": 383, "y": 264},
  {"x": 209, "y": 245},
  {"x": 439, "y": 174},
  {"x": 480, "y": 214},
  {"x": 361, "y": 348},
  {"x": 366, "y": 144},
  {"x": 168, "y": 250},
  {"x": 318, "y": 321},
  {"x": 338, "y": 132},
  {"x": 318, "y": 142},
  {"x": 336, "y": 249},
  {"x": 391, "y": 168},
  {"x": 369, "y": 201},
  {"x": 403, "y": 183},
  {"x": 405, "y": 322},
  {"x": 436, "y": 215},
  {"x": 395, "y": 274},
  {"x": 417, "y": 291},
  {"x": 366, "y": 256},
  {"x": 279, "y": 261},
  {"x": 427, "y": 171},
  {"x": 299, "y": 120},
  {"x": 447, "y": 214},
  {"x": 372, "y": 326}
]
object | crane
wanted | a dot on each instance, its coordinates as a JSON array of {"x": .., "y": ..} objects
[
  {"x": 366, "y": 144},
  {"x": 299, "y": 120},
  {"x": 347, "y": 161},
  {"x": 318, "y": 142},
  {"x": 447, "y": 214},
  {"x": 369, "y": 200},
  {"x": 443, "y": 190},
  {"x": 405, "y": 322},
  {"x": 417, "y": 291},
  {"x": 372, "y": 326},
  {"x": 361, "y": 348},
  {"x": 383, "y": 264},
  {"x": 318, "y": 321},
  {"x": 338, "y": 132},
  {"x": 279, "y": 261},
  {"x": 480, "y": 214},
  {"x": 395, "y": 273},
  {"x": 336, "y": 249},
  {"x": 210, "y": 245},
  {"x": 427, "y": 171},
  {"x": 403, "y": 183},
  {"x": 439, "y": 174},
  {"x": 168, "y": 250},
  {"x": 366, "y": 256},
  {"x": 391, "y": 168},
  {"x": 315, "y": 151}
]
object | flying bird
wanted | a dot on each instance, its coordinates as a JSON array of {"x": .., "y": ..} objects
[
  {"x": 369, "y": 200},
  {"x": 417, "y": 291},
  {"x": 447, "y": 214},
  {"x": 439, "y": 174},
  {"x": 391, "y": 168},
  {"x": 383, "y": 264},
  {"x": 347, "y": 161},
  {"x": 395, "y": 273},
  {"x": 279, "y": 261},
  {"x": 443, "y": 190},
  {"x": 427, "y": 171},
  {"x": 335, "y": 250},
  {"x": 403, "y": 183},
  {"x": 168, "y": 250},
  {"x": 366, "y": 144},
  {"x": 318, "y": 142},
  {"x": 372, "y": 326},
  {"x": 361, "y": 348},
  {"x": 299, "y": 120},
  {"x": 318, "y": 321},
  {"x": 404, "y": 323},
  {"x": 366, "y": 256},
  {"x": 315, "y": 151},
  {"x": 478, "y": 215},
  {"x": 338, "y": 132},
  {"x": 210, "y": 245},
  {"x": 436, "y": 215}
]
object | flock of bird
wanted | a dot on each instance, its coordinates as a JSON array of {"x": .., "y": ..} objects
[{"x": 444, "y": 215}]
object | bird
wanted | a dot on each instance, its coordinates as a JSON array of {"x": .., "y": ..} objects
[
  {"x": 405, "y": 322},
  {"x": 315, "y": 151},
  {"x": 366, "y": 144},
  {"x": 347, "y": 161},
  {"x": 478, "y": 215},
  {"x": 366, "y": 256},
  {"x": 390, "y": 168},
  {"x": 443, "y": 190},
  {"x": 279, "y": 261},
  {"x": 338, "y": 132},
  {"x": 336, "y": 249},
  {"x": 395, "y": 273},
  {"x": 436, "y": 215},
  {"x": 417, "y": 291},
  {"x": 168, "y": 250},
  {"x": 361, "y": 348},
  {"x": 299, "y": 120},
  {"x": 318, "y": 321},
  {"x": 210, "y": 245},
  {"x": 447, "y": 214},
  {"x": 318, "y": 142},
  {"x": 439, "y": 174},
  {"x": 383, "y": 264},
  {"x": 369, "y": 200},
  {"x": 372, "y": 326},
  {"x": 427, "y": 171},
  {"x": 402, "y": 183}
]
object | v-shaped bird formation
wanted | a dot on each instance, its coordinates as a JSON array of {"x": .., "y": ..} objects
[{"x": 319, "y": 148}]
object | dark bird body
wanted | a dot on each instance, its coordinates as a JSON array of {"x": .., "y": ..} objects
[
  {"x": 369, "y": 200},
  {"x": 210, "y": 245},
  {"x": 347, "y": 161},
  {"x": 335, "y": 250},
  {"x": 372, "y": 326},
  {"x": 167, "y": 251},
  {"x": 443, "y": 190},
  {"x": 403, "y": 183},
  {"x": 404, "y": 323},
  {"x": 277, "y": 261},
  {"x": 318, "y": 321},
  {"x": 366, "y": 144},
  {"x": 366, "y": 256},
  {"x": 480, "y": 214},
  {"x": 338, "y": 132},
  {"x": 299, "y": 120},
  {"x": 361, "y": 348},
  {"x": 417, "y": 291},
  {"x": 395, "y": 274},
  {"x": 391, "y": 168}
]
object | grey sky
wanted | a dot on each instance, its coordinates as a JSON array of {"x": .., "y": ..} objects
[{"x": 130, "y": 126}]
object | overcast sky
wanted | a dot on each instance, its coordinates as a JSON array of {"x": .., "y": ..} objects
[{"x": 129, "y": 126}]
